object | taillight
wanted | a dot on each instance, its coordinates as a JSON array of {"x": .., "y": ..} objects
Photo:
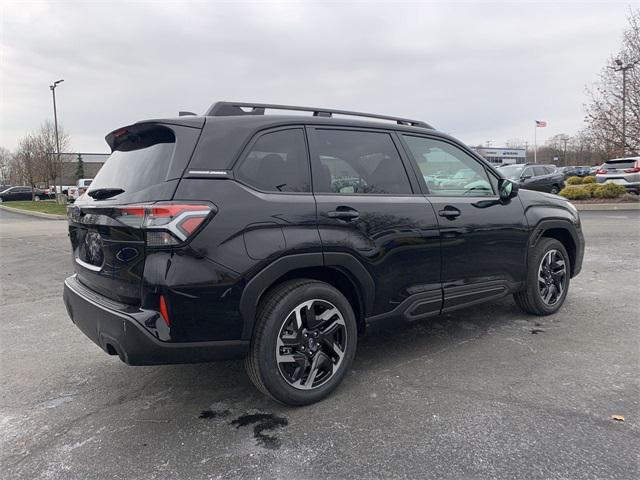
[
  {"x": 632, "y": 170},
  {"x": 166, "y": 224},
  {"x": 601, "y": 171}
]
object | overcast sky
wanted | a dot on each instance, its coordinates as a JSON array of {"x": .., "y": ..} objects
[{"x": 480, "y": 71}]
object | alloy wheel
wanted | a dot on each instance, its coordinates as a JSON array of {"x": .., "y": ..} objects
[
  {"x": 552, "y": 277},
  {"x": 311, "y": 344}
]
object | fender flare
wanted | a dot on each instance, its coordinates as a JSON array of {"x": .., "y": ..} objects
[
  {"x": 544, "y": 225},
  {"x": 266, "y": 277},
  {"x": 562, "y": 224}
]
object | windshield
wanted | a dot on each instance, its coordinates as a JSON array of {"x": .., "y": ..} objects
[{"x": 512, "y": 171}]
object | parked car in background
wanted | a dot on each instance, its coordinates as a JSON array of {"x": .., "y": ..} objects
[
  {"x": 543, "y": 178},
  {"x": 22, "y": 193},
  {"x": 231, "y": 235},
  {"x": 64, "y": 189},
  {"x": 621, "y": 171},
  {"x": 79, "y": 188},
  {"x": 593, "y": 170},
  {"x": 575, "y": 171}
]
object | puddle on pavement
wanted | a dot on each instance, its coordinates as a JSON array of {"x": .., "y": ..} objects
[
  {"x": 264, "y": 425},
  {"x": 213, "y": 413},
  {"x": 263, "y": 422}
]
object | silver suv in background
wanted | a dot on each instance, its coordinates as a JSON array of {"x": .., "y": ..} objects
[{"x": 621, "y": 171}]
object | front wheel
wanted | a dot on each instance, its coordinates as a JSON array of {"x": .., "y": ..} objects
[
  {"x": 37, "y": 198},
  {"x": 548, "y": 275},
  {"x": 304, "y": 342},
  {"x": 555, "y": 189}
]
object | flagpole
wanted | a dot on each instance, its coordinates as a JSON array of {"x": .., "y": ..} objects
[{"x": 535, "y": 142}]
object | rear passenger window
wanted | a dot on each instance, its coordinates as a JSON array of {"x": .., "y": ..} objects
[
  {"x": 347, "y": 161},
  {"x": 277, "y": 162}
]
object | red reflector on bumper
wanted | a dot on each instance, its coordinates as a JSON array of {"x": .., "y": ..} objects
[{"x": 163, "y": 311}]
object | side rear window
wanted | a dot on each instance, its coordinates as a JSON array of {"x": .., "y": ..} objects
[
  {"x": 348, "y": 161},
  {"x": 277, "y": 162}
]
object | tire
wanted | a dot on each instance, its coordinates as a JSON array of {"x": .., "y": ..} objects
[
  {"x": 278, "y": 339},
  {"x": 37, "y": 198},
  {"x": 532, "y": 299},
  {"x": 554, "y": 189}
]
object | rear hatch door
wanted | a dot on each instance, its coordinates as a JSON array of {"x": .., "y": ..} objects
[
  {"x": 622, "y": 171},
  {"x": 105, "y": 225}
]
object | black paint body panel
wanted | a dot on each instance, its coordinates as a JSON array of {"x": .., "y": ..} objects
[{"x": 404, "y": 260}]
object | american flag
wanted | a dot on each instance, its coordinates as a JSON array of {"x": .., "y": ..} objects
[{"x": 541, "y": 123}]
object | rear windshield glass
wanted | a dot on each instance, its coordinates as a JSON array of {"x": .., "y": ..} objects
[
  {"x": 134, "y": 169},
  {"x": 620, "y": 164}
]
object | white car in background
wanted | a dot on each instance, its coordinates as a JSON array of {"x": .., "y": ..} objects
[
  {"x": 621, "y": 171},
  {"x": 76, "y": 191}
]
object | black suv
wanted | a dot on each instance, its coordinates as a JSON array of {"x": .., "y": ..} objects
[
  {"x": 543, "y": 178},
  {"x": 279, "y": 238}
]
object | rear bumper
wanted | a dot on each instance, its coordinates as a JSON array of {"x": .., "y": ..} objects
[
  {"x": 117, "y": 329},
  {"x": 629, "y": 185}
]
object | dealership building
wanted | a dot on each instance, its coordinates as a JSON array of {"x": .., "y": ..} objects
[{"x": 502, "y": 156}]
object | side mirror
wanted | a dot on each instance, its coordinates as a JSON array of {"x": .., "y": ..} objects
[
  {"x": 525, "y": 177},
  {"x": 507, "y": 189}
]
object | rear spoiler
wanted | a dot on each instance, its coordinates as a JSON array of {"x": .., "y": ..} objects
[{"x": 117, "y": 138}]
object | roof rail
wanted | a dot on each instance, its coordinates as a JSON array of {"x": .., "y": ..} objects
[{"x": 224, "y": 109}]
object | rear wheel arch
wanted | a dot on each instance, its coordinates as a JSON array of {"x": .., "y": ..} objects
[
  {"x": 340, "y": 280},
  {"x": 355, "y": 286}
]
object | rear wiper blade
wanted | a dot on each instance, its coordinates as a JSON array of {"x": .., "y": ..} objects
[{"x": 103, "y": 193}]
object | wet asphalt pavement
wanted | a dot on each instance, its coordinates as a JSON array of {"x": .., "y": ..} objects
[{"x": 488, "y": 392}]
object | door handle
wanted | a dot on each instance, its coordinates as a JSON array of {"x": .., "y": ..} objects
[
  {"x": 344, "y": 213},
  {"x": 449, "y": 212}
]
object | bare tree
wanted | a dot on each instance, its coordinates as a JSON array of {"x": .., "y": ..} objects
[
  {"x": 558, "y": 145},
  {"x": 604, "y": 112},
  {"x": 47, "y": 150},
  {"x": 515, "y": 143},
  {"x": 28, "y": 167},
  {"x": 6, "y": 160}
]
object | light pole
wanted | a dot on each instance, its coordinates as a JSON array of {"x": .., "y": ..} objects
[
  {"x": 621, "y": 67},
  {"x": 55, "y": 123},
  {"x": 565, "y": 140}
]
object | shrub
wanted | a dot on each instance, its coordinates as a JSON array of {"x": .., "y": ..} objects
[
  {"x": 589, "y": 179},
  {"x": 573, "y": 181},
  {"x": 576, "y": 192},
  {"x": 609, "y": 190},
  {"x": 590, "y": 187}
]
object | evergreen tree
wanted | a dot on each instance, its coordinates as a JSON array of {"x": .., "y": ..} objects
[{"x": 80, "y": 168}]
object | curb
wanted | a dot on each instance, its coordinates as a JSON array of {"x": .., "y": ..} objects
[
  {"x": 48, "y": 216},
  {"x": 606, "y": 206}
]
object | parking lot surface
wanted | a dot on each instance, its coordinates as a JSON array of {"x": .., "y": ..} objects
[{"x": 488, "y": 392}]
